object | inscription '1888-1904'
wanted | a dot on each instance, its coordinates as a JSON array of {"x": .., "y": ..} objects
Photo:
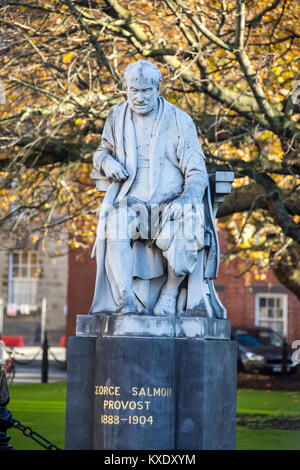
[{"x": 114, "y": 402}]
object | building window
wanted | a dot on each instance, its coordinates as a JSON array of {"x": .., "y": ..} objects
[
  {"x": 271, "y": 312},
  {"x": 24, "y": 271}
]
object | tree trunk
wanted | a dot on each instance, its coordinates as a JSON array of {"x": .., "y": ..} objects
[{"x": 287, "y": 269}]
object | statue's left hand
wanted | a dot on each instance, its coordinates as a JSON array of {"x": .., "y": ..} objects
[
  {"x": 177, "y": 206},
  {"x": 191, "y": 196}
]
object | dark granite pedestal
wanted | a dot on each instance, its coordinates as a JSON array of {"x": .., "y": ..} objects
[{"x": 132, "y": 393}]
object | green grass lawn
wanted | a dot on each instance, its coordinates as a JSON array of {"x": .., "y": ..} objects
[
  {"x": 275, "y": 403},
  {"x": 268, "y": 402},
  {"x": 42, "y": 407},
  {"x": 270, "y": 439}
]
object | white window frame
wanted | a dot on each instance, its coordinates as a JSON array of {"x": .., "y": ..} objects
[
  {"x": 268, "y": 295},
  {"x": 27, "y": 279}
]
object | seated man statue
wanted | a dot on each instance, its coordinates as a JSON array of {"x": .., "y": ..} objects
[{"x": 150, "y": 235}]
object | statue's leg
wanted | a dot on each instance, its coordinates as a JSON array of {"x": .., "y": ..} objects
[
  {"x": 120, "y": 261},
  {"x": 167, "y": 301}
]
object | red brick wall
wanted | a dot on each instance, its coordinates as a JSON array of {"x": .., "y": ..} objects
[
  {"x": 81, "y": 282},
  {"x": 239, "y": 299}
]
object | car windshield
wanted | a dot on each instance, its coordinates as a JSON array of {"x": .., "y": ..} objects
[{"x": 258, "y": 338}]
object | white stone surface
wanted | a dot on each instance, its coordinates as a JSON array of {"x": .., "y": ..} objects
[{"x": 152, "y": 326}]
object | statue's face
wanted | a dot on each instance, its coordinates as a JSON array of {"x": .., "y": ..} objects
[{"x": 141, "y": 94}]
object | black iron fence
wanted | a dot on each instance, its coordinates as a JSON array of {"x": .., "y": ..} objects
[
  {"x": 14, "y": 358},
  {"x": 7, "y": 421}
]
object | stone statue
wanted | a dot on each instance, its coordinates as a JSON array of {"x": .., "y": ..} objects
[{"x": 156, "y": 247}]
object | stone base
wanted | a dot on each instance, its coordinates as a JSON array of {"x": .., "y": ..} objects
[
  {"x": 152, "y": 326},
  {"x": 150, "y": 394}
]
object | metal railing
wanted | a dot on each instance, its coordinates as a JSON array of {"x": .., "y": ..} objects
[{"x": 7, "y": 421}]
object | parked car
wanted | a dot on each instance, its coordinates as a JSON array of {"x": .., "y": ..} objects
[{"x": 260, "y": 350}]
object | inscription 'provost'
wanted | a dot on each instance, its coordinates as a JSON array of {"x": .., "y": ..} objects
[{"x": 124, "y": 405}]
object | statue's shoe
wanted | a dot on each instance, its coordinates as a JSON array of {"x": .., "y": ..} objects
[
  {"x": 127, "y": 304},
  {"x": 166, "y": 305},
  {"x": 142, "y": 311}
]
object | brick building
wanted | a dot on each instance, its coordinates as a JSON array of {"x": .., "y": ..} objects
[
  {"x": 248, "y": 301},
  {"x": 27, "y": 276},
  {"x": 256, "y": 302},
  {"x": 67, "y": 282}
]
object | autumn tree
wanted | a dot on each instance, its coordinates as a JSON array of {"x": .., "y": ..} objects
[{"x": 233, "y": 66}]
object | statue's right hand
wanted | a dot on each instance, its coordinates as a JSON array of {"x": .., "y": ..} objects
[{"x": 114, "y": 170}]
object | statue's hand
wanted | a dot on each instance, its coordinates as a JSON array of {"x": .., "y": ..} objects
[
  {"x": 190, "y": 197},
  {"x": 114, "y": 170},
  {"x": 177, "y": 206}
]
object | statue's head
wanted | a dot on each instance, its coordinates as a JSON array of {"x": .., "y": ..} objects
[{"x": 142, "y": 80}]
